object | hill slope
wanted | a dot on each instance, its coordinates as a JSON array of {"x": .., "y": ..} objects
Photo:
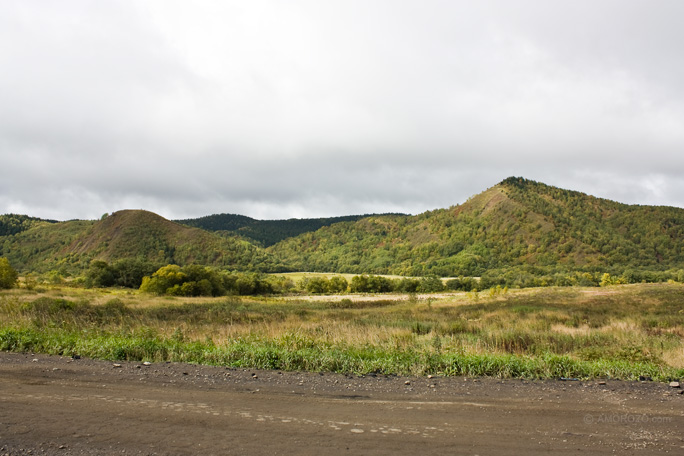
[{"x": 515, "y": 223}]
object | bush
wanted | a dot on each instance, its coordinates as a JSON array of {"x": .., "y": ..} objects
[
  {"x": 370, "y": 284},
  {"x": 407, "y": 285},
  {"x": 431, "y": 284},
  {"x": 462, "y": 284},
  {"x": 338, "y": 284},
  {"x": 318, "y": 285}
]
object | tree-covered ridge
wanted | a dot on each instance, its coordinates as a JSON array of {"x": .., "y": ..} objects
[
  {"x": 515, "y": 229},
  {"x": 517, "y": 223},
  {"x": 14, "y": 223},
  {"x": 264, "y": 232}
]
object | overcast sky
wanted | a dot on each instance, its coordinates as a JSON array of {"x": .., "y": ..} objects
[{"x": 279, "y": 109}]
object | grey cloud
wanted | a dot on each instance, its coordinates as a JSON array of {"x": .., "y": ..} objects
[{"x": 327, "y": 108}]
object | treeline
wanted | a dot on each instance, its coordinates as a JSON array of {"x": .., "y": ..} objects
[
  {"x": 199, "y": 281},
  {"x": 370, "y": 284},
  {"x": 196, "y": 280},
  {"x": 191, "y": 280},
  {"x": 539, "y": 277}
]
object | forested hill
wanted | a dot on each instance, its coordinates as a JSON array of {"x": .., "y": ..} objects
[
  {"x": 265, "y": 232},
  {"x": 128, "y": 234},
  {"x": 516, "y": 224}
]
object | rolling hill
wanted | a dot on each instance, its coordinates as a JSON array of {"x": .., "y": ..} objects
[{"x": 517, "y": 224}]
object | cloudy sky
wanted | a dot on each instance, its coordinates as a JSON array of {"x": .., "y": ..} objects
[{"x": 278, "y": 109}]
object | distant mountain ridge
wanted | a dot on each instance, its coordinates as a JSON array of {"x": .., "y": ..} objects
[
  {"x": 266, "y": 232},
  {"x": 516, "y": 225}
]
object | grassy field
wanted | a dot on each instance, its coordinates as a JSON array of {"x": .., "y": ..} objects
[{"x": 622, "y": 332}]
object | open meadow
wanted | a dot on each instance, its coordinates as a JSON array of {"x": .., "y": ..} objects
[{"x": 625, "y": 332}]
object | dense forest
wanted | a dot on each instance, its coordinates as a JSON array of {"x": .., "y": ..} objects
[
  {"x": 519, "y": 233},
  {"x": 14, "y": 223}
]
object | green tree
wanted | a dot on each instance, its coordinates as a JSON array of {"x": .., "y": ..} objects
[
  {"x": 129, "y": 272},
  {"x": 431, "y": 284},
  {"x": 194, "y": 280},
  {"x": 359, "y": 284},
  {"x": 318, "y": 285},
  {"x": 99, "y": 274},
  {"x": 370, "y": 284},
  {"x": 338, "y": 284},
  {"x": 406, "y": 285},
  {"x": 165, "y": 278},
  {"x": 606, "y": 280},
  {"x": 8, "y": 276},
  {"x": 246, "y": 284},
  {"x": 462, "y": 284}
]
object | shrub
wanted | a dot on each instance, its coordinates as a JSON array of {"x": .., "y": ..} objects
[
  {"x": 8, "y": 276},
  {"x": 318, "y": 285}
]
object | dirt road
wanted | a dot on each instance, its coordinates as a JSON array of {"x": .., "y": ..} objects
[{"x": 53, "y": 405}]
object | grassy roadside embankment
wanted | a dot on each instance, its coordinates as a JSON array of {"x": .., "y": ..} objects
[{"x": 614, "y": 332}]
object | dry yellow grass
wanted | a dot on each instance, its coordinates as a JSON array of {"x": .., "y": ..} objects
[{"x": 643, "y": 323}]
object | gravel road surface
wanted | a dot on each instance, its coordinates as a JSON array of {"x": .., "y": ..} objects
[{"x": 63, "y": 406}]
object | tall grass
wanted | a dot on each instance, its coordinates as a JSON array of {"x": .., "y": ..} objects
[{"x": 626, "y": 333}]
